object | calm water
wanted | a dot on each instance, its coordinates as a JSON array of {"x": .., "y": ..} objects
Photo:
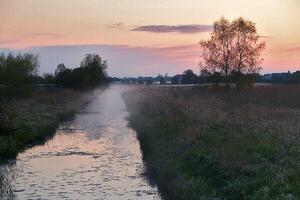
[{"x": 95, "y": 156}]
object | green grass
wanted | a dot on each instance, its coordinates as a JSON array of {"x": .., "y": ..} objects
[
  {"x": 36, "y": 118},
  {"x": 204, "y": 144}
]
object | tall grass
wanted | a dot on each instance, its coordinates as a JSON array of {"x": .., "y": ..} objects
[
  {"x": 34, "y": 119},
  {"x": 203, "y": 143}
]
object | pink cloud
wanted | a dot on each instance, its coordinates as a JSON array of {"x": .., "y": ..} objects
[
  {"x": 30, "y": 36},
  {"x": 189, "y": 28},
  {"x": 184, "y": 54}
]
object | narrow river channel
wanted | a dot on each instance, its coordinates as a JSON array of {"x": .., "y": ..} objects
[{"x": 94, "y": 156}]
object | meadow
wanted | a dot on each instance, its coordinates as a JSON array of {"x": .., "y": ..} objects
[{"x": 206, "y": 143}]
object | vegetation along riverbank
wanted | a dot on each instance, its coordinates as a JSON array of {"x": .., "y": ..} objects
[
  {"x": 33, "y": 120},
  {"x": 205, "y": 143},
  {"x": 32, "y": 106}
]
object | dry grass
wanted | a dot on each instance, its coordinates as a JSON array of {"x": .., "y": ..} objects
[
  {"x": 237, "y": 145},
  {"x": 34, "y": 119}
]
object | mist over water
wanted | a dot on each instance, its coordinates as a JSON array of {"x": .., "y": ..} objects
[{"x": 94, "y": 156}]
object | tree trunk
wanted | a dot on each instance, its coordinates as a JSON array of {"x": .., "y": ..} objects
[{"x": 227, "y": 80}]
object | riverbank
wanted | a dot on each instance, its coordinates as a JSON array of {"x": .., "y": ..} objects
[
  {"x": 199, "y": 143},
  {"x": 35, "y": 118}
]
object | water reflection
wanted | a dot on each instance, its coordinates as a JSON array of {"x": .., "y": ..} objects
[
  {"x": 7, "y": 177},
  {"x": 96, "y": 156}
]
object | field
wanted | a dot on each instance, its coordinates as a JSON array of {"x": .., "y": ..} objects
[
  {"x": 205, "y": 143},
  {"x": 35, "y": 118}
]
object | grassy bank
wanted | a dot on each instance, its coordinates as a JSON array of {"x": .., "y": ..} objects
[
  {"x": 34, "y": 119},
  {"x": 201, "y": 143}
]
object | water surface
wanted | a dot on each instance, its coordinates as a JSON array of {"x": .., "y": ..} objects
[{"x": 95, "y": 156}]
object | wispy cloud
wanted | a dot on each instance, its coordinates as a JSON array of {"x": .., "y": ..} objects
[
  {"x": 4, "y": 41},
  {"x": 115, "y": 25},
  {"x": 187, "y": 55},
  {"x": 190, "y": 28},
  {"x": 265, "y": 36},
  {"x": 55, "y": 35},
  {"x": 294, "y": 47},
  {"x": 8, "y": 41}
]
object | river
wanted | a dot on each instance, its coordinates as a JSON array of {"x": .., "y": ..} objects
[{"x": 94, "y": 156}]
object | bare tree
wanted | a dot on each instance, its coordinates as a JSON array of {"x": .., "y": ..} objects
[
  {"x": 233, "y": 46},
  {"x": 247, "y": 48},
  {"x": 218, "y": 49}
]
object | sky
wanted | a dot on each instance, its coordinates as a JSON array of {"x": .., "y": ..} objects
[{"x": 143, "y": 37}]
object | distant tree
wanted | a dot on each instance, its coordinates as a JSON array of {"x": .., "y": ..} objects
[
  {"x": 149, "y": 80},
  {"x": 140, "y": 80},
  {"x": 49, "y": 78},
  {"x": 205, "y": 74},
  {"x": 95, "y": 67},
  {"x": 189, "y": 77},
  {"x": 176, "y": 79},
  {"x": 161, "y": 79},
  {"x": 60, "y": 68},
  {"x": 296, "y": 77},
  {"x": 233, "y": 46},
  {"x": 216, "y": 78},
  {"x": 244, "y": 80},
  {"x": 92, "y": 72},
  {"x": 66, "y": 78},
  {"x": 18, "y": 70},
  {"x": 17, "y": 73}
]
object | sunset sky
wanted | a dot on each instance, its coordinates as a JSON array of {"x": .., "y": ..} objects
[{"x": 143, "y": 37}]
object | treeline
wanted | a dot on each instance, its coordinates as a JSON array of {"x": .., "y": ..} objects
[
  {"x": 236, "y": 77},
  {"x": 288, "y": 77},
  {"x": 18, "y": 70},
  {"x": 189, "y": 77},
  {"x": 239, "y": 79},
  {"x": 22, "y": 71}
]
